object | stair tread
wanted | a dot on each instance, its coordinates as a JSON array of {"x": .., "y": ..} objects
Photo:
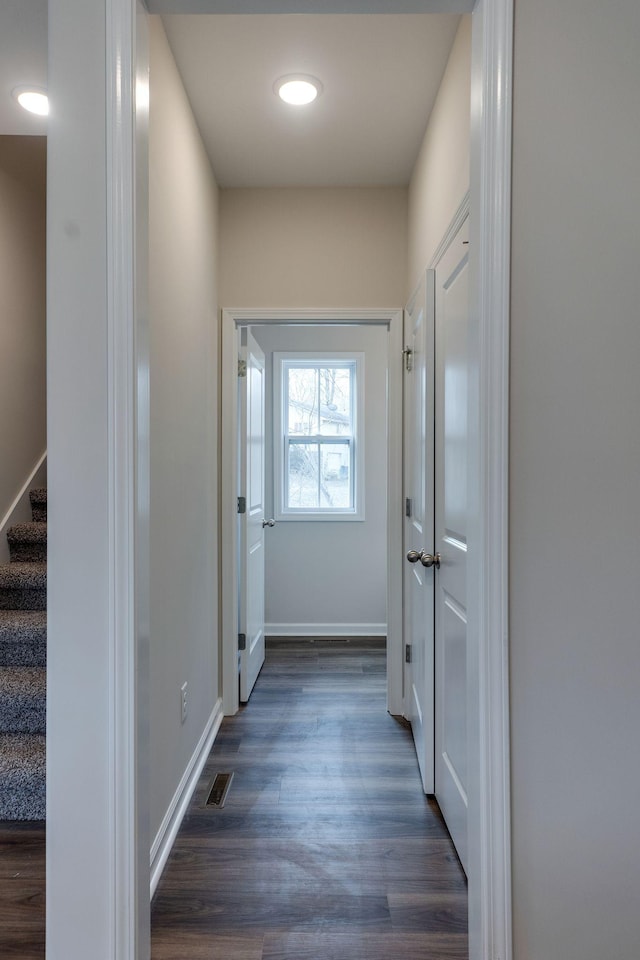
[
  {"x": 32, "y": 531},
  {"x": 22, "y": 752},
  {"x": 20, "y": 681},
  {"x": 26, "y": 575},
  {"x": 23, "y": 699},
  {"x": 22, "y": 625}
]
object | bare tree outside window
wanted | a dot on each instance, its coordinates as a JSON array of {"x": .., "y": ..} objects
[{"x": 319, "y": 447}]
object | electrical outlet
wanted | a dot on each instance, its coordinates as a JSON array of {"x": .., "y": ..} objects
[{"x": 183, "y": 701}]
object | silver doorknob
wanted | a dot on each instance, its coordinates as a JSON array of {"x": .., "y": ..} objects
[
  {"x": 414, "y": 555},
  {"x": 430, "y": 560},
  {"x": 268, "y": 523}
]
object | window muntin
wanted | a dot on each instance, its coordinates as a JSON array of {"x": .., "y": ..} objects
[{"x": 318, "y": 463}]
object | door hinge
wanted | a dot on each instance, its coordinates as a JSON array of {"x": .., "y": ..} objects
[
  {"x": 408, "y": 506},
  {"x": 242, "y": 504},
  {"x": 407, "y": 353},
  {"x": 407, "y": 653},
  {"x": 242, "y": 641},
  {"x": 242, "y": 368}
]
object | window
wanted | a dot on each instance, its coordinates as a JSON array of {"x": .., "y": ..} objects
[{"x": 318, "y": 455}]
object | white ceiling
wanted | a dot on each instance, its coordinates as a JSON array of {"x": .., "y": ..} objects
[
  {"x": 380, "y": 74},
  {"x": 23, "y": 60}
]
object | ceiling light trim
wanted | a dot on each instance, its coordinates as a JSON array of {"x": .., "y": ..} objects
[
  {"x": 298, "y": 89},
  {"x": 32, "y": 98}
]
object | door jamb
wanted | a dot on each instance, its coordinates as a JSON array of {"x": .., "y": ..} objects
[{"x": 232, "y": 319}]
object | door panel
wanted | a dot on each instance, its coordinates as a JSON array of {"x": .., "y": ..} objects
[
  {"x": 451, "y": 327},
  {"x": 418, "y": 524},
  {"x": 252, "y": 430}
]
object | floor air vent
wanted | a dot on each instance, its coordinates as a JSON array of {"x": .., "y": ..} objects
[
  {"x": 330, "y": 640},
  {"x": 218, "y": 790}
]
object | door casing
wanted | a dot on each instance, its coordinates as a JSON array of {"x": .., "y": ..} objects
[{"x": 232, "y": 320}]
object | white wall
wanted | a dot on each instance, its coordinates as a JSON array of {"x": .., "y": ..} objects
[
  {"x": 324, "y": 572},
  {"x": 23, "y": 414},
  {"x": 305, "y": 247},
  {"x": 83, "y": 520},
  {"x": 183, "y": 201},
  {"x": 440, "y": 176},
  {"x": 575, "y": 488}
]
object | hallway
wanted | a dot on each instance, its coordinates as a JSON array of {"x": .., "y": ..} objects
[{"x": 326, "y": 848}]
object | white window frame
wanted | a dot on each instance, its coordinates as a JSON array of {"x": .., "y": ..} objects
[{"x": 281, "y": 360}]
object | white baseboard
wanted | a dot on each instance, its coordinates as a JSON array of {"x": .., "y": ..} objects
[
  {"x": 20, "y": 509},
  {"x": 161, "y": 847},
  {"x": 325, "y": 629}
]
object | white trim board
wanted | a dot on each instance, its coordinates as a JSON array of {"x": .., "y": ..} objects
[
  {"x": 168, "y": 831},
  {"x": 232, "y": 320},
  {"x": 293, "y": 630},
  {"x": 490, "y": 934}
]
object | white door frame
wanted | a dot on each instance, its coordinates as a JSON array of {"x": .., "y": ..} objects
[
  {"x": 489, "y": 853},
  {"x": 232, "y": 319},
  {"x": 96, "y": 863}
]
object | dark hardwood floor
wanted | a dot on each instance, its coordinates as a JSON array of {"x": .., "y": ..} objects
[
  {"x": 22, "y": 890},
  {"x": 326, "y": 848}
]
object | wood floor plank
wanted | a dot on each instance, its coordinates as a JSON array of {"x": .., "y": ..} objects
[
  {"x": 438, "y": 913},
  {"x": 22, "y": 890},
  {"x": 245, "y": 910},
  {"x": 429, "y": 863},
  {"x": 343, "y": 945},
  {"x": 186, "y": 946}
]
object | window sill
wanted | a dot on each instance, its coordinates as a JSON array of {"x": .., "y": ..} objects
[{"x": 328, "y": 516}]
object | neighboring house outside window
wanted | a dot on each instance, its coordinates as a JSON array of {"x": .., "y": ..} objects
[{"x": 318, "y": 431}]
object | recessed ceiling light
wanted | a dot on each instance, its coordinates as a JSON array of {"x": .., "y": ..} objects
[
  {"x": 33, "y": 99},
  {"x": 298, "y": 89}
]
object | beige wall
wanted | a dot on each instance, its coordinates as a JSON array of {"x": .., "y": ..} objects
[
  {"x": 440, "y": 176},
  {"x": 23, "y": 428},
  {"x": 303, "y": 247},
  {"x": 575, "y": 481},
  {"x": 183, "y": 382}
]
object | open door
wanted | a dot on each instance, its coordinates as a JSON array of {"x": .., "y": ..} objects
[
  {"x": 452, "y": 365},
  {"x": 418, "y": 524},
  {"x": 251, "y": 513}
]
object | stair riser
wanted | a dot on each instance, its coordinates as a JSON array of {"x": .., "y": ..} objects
[
  {"x": 39, "y": 512},
  {"x": 27, "y": 552},
  {"x": 23, "y": 599}
]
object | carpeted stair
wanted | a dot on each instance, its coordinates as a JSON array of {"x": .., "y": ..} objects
[{"x": 23, "y": 658}]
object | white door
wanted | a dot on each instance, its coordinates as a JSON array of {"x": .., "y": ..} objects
[
  {"x": 452, "y": 319},
  {"x": 252, "y": 483},
  {"x": 418, "y": 523}
]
